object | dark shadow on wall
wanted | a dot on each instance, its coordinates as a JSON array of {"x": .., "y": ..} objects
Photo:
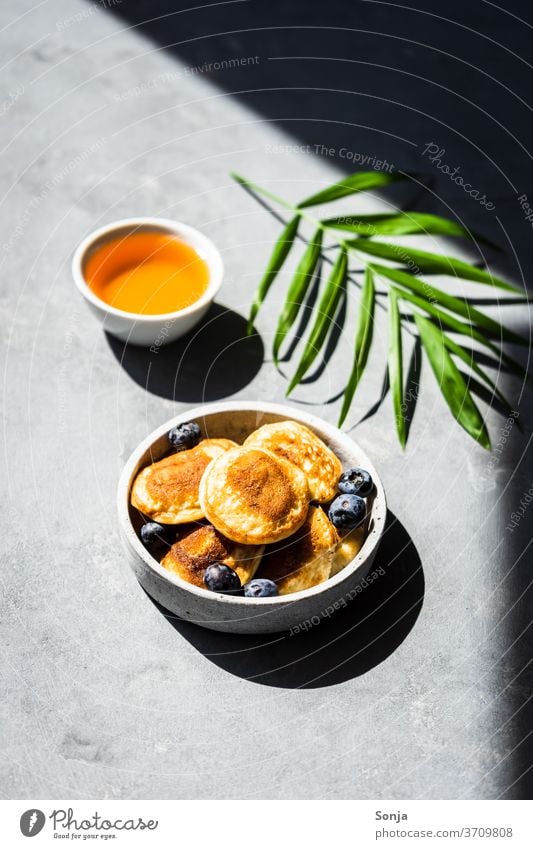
[
  {"x": 514, "y": 631},
  {"x": 348, "y": 644},
  {"x": 359, "y": 83},
  {"x": 382, "y": 81}
]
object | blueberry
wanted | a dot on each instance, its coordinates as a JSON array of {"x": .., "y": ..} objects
[
  {"x": 347, "y": 511},
  {"x": 356, "y": 482},
  {"x": 184, "y": 436},
  {"x": 155, "y": 536},
  {"x": 221, "y": 579},
  {"x": 260, "y": 588}
]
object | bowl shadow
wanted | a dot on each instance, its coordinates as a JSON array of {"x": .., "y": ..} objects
[
  {"x": 215, "y": 360},
  {"x": 349, "y": 643}
]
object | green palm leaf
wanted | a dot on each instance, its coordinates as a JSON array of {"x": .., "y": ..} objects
[
  {"x": 297, "y": 291},
  {"x": 360, "y": 182},
  {"x": 277, "y": 258},
  {"x": 467, "y": 357},
  {"x": 431, "y": 263},
  {"x": 466, "y": 330},
  {"x": 396, "y": 366},
  {"x": 401, "y": 224},
  {"x": 363, "y": 341},
  {"x": 451, "y": 382},
  {"x": 335, "y": 286},
  {"x": 438, "y": 315},
  {"x": 449, "y": 302}
]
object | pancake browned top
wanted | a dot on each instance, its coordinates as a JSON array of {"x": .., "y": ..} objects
[
  {"x": 296, "y": 443},
  {"x": 254, "y": 497},
  {"x": 197, "y": 549},
  {"x": 304, "y": 559},
  {"x": 167, "y": 491}
]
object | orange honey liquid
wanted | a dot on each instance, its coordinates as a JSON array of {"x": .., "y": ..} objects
[{"x": 147, "y": 273}]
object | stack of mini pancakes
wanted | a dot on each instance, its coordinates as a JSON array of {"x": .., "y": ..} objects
[{"x": 254, "y": 507}]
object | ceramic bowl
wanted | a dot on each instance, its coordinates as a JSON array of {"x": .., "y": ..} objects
[
  {"x": 148, "y": 330},
  {"x": 236, "y": 420}
]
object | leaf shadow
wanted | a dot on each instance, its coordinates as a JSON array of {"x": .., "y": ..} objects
[
  {"x": 412, "y": 385},
  {"x": 305, "y": 315},
  {"x": 487, "y": 396},
  {"x": 411, "y": 389},
  {"x": 334, "y": 335},
  {"x": 483, "y": 359},
  {"x": 494, "y": 302},
  {"x": 385, "y": 386}
]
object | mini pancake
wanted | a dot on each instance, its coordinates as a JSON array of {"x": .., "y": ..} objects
[
  {"x": 197, "y": 549},
  {"x": 254, "y": 497},
  {"x": 304, "y": 560},
  {"x": 347, "y": 549},
  {"x": 299, "y": 445},
  {"x": 167, "y": 491}
]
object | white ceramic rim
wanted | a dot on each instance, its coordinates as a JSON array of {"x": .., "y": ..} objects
[
  {"x": 205, "y": 246},
  {"x": 370, "y": 544}
]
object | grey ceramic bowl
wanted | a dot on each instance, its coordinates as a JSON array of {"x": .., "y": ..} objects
[{"x": 236, "y": 420}]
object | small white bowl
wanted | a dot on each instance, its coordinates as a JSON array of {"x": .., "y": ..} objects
[
  {"x": 149, "y": 330},
  {"x": 236, "y": 420}
]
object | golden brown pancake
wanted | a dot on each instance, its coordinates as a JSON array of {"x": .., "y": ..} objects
[
  {"x": 299, "y": 445},
  {"x": 167, "y": 491},
  {"x": 303, "y": 560},
  {"x": 197, "y": 549},
  {"x": 254, "y": 497},
  {"x": 348, "y": 547}
]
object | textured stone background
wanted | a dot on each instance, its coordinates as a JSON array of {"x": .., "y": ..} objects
[{"x": 420, "y": 689}]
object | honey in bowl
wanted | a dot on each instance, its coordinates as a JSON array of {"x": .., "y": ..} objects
[{"x": 148, "y": 273}]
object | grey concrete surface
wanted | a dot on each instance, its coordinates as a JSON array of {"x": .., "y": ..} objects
[{"x": 418, "y": 690}]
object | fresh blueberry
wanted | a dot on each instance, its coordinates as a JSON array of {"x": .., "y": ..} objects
[
  {"x": 347, "y": 511},
  {"x": 356, "y": 482},
  {"x": 221, "y": 579},
  {"x": 184, "y": 436},
  {"x": 155, "y": 536},
  {"x": 260, "y": 588}
]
